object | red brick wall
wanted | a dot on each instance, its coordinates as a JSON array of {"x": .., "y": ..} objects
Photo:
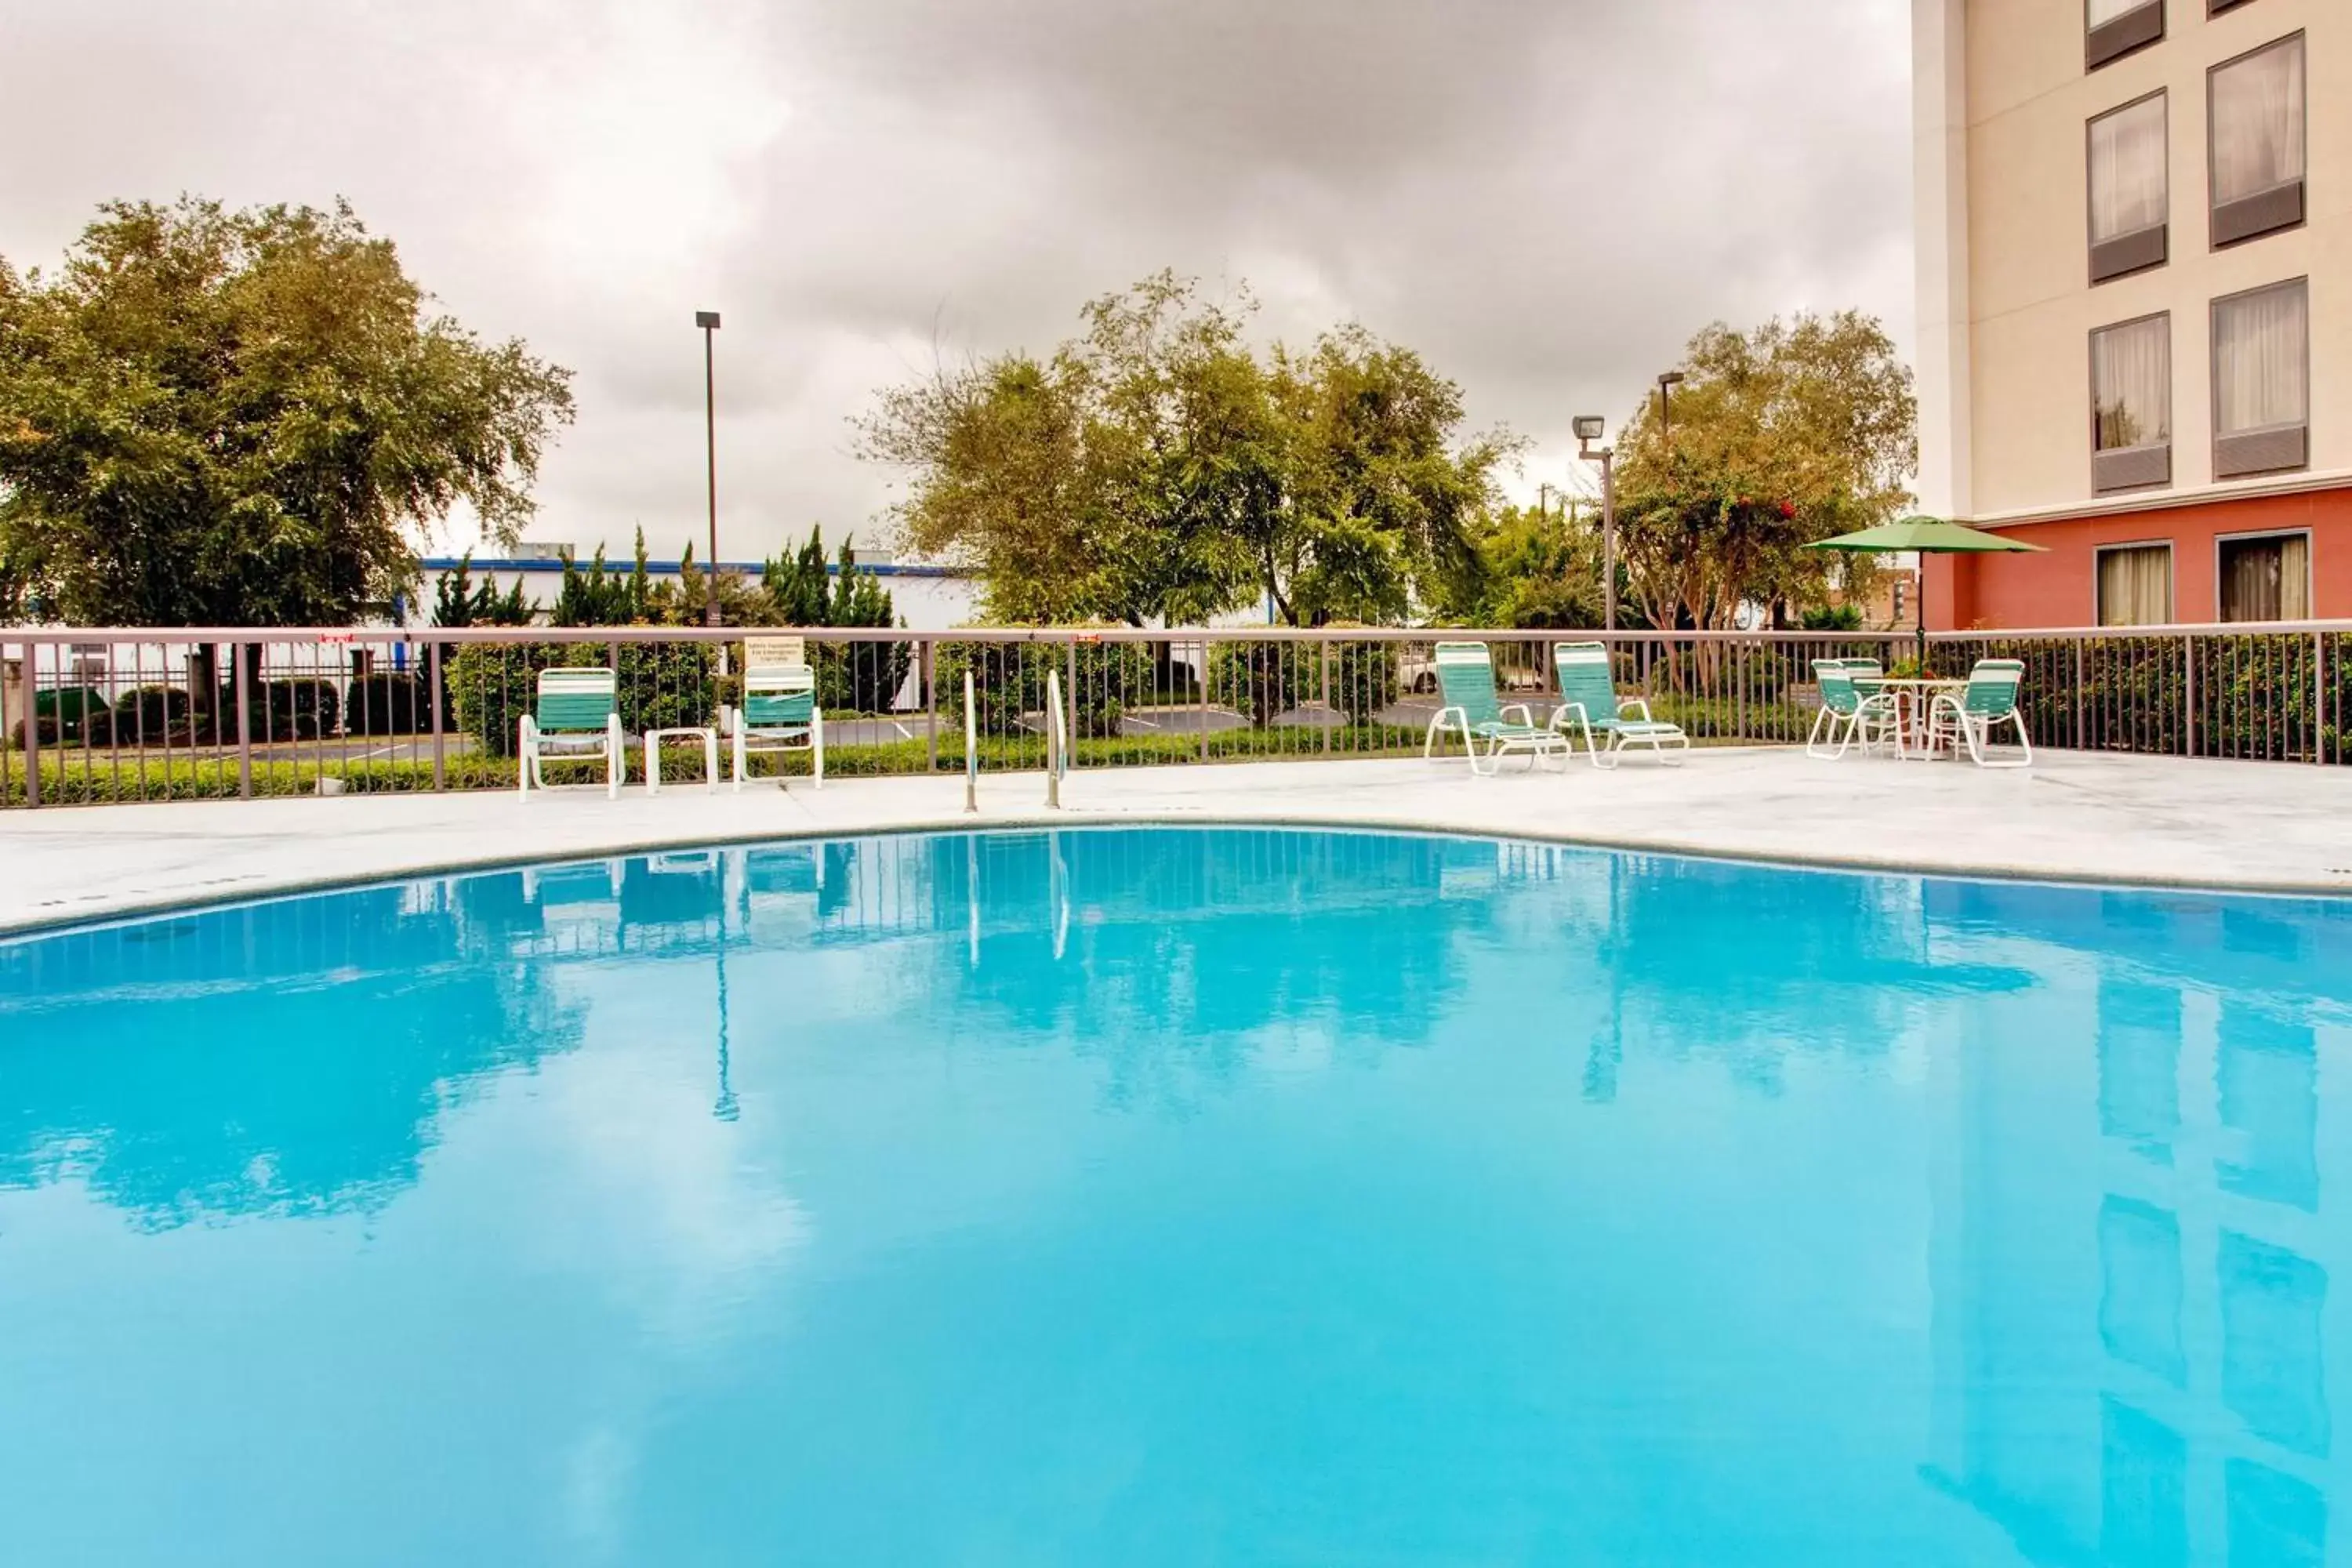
[{"x": 2013, "y": 592}]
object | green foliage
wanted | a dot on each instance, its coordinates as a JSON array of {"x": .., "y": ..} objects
[
  {"x": 1792, "y": 433},
  {"x": 457, "y": 601},
  {"x": 1832, "y": 618},
  {"x": 1528, "y": 569},
  {"x": 1158, "y": 468},
  {"x": 798, "y": 587},
  {"x": 149, "y": 715},
  {"x": 851, "y": 678},
  {"x": 389, "y": 702},
  {"x": 2253, "y": 695},
  {"x": 660, "y": 685},
  {"x": 1009, "y": 684},
  {"x": 1268, "y": 679},
  {"x": 216, "y": 418},
  {"x": 597, "y": 597}
]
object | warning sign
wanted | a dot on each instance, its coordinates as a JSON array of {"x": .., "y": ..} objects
[{"x": 760, "y": 653}]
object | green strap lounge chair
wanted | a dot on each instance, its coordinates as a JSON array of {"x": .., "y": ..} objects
[
  {"x": 1589, "y": 707},
  {"x": 779, "y": 714},
  {"x": 1969, "y": 717},
  {"x": 1466, "y": 682},
  {"x": 577, "y": 719},
  {"x": 1854, "y": 710}
]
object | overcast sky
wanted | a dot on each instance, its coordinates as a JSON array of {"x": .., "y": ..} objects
[{"x": 1545, "y": 197}]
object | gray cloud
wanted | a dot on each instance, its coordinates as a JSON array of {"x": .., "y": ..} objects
[{"x": 1544, "y": 196}]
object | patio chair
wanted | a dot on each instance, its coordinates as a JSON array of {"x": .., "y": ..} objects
[
  {"x": 1969, "y": 717},
  {"x": 778, "y": 713},
  {"x": 1853, "y": 710},
  {"x": 577, "y": 719},
  {"x": 1466, "y": 682},
  {"x": 1589, "y": 706}
]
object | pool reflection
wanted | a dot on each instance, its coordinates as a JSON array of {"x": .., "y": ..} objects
[
  {"x": 2131, "y": 1260},
  {"x": 2127, "y": 1246}
]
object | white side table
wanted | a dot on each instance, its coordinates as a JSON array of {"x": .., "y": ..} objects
[{"x": 709, "y": 738}]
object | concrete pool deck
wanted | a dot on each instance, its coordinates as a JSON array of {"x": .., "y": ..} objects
[{"x": 2264, "y": 826}]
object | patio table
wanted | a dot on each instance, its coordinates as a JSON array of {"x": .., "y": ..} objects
[
  {"x": 1914, "y": 701},
  {"x": 708, "y": 735}
]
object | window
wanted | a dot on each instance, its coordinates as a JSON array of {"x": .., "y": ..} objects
[
  {"x": 2130, "y": 201},
  {"x": 2131, "y": 405},
  {"x": 2257, "y": 152},
  {"x": 2135, "y": 585},
  {"x": 2266, "y": 579},
  {"x": 2114, "y": 28},
  {"x": 2261, "y": 364}
]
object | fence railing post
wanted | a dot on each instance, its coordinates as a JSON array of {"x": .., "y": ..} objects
[
  {"x": 1323, "y": 659},
  {"x": 32, "y": 724},
  {"x": 244, "y": 723},
  {"x": 2080, "y": 744},
  {"x": 2189, "y": 696},
  {"x": 928, "y": 674},
  {"x": 1204, "y": 699},
  {"x": 2319, "y": 698},
  {"x": 433, "y": 656}
]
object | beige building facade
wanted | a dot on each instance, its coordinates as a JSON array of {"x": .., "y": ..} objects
[{"x": 2135, "y": 254}]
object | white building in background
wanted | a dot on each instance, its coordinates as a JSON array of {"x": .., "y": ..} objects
[{"x": 928, "y": 598}]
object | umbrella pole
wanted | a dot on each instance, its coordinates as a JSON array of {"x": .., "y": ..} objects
[{"x": 1922, "y": 617}]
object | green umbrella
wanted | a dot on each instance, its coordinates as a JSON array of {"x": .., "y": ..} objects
[{"x": 1926, "y": 536}]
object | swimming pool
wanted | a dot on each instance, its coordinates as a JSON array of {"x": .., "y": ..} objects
[{"x": 1161, "y": 1196}]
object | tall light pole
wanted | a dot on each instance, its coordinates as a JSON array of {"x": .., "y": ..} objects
[
  {"x": 1589, "y": 429},
  {"x": 1666, "y": 385},
  {"x": 708, "y": 321},
  {"x": 1544, "y": 492}
]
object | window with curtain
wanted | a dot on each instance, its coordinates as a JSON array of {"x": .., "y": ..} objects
[
  {"x": 2114, "y": 28},
  {"x": 2262, "y": 349},
  {"x": 2266, "y": 579},
  {"x": 2257, "y": 119},
  {"x": 2128, "y": 190},
  {"x": 2131, "y": 385},
  {"x": 2135, "y": 585}
]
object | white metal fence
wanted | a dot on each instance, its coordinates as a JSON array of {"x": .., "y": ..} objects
[{"x": 145, "y": 714}]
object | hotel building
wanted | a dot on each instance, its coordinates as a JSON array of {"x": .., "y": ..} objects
[{"x": 2135, "y": 254}]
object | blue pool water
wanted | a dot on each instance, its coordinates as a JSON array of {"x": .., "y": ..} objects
[{"x": 1167, "y": 1197}]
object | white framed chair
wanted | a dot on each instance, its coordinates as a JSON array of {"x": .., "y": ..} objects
[
  {"x": 576, "y": 718},
  {"x": 1971, "y": 718},
  {"x": 1589, "y": 706},
  {"x": 777, "y": 713},
  {"x": 1853, "y": 712},
  {"x": 1465, "y": 681}
]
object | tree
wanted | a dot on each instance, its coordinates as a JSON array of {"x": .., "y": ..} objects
[
  {"x": 250, "y": 418},
  {"x": 801, "y": 591},
  {"x": 1792, "y": 433},
  {"x": 1156, "y": 467},
  {"x": 458, "y": 601},
  {"x": 1530, "y": 569}
]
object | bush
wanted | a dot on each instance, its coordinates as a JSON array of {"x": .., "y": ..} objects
[
  {"x": 301, "y": 710},
  {"x": 662, "y": 686},
  {"x": 860, "y": 677},
  {"x": 1008, "y": 682},
  {"x": 388, "y": 703},
  {"x": 149, "y": 715},
  {"x": 98, "y": 730},
  {"x": 1268, "y": 679}
]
